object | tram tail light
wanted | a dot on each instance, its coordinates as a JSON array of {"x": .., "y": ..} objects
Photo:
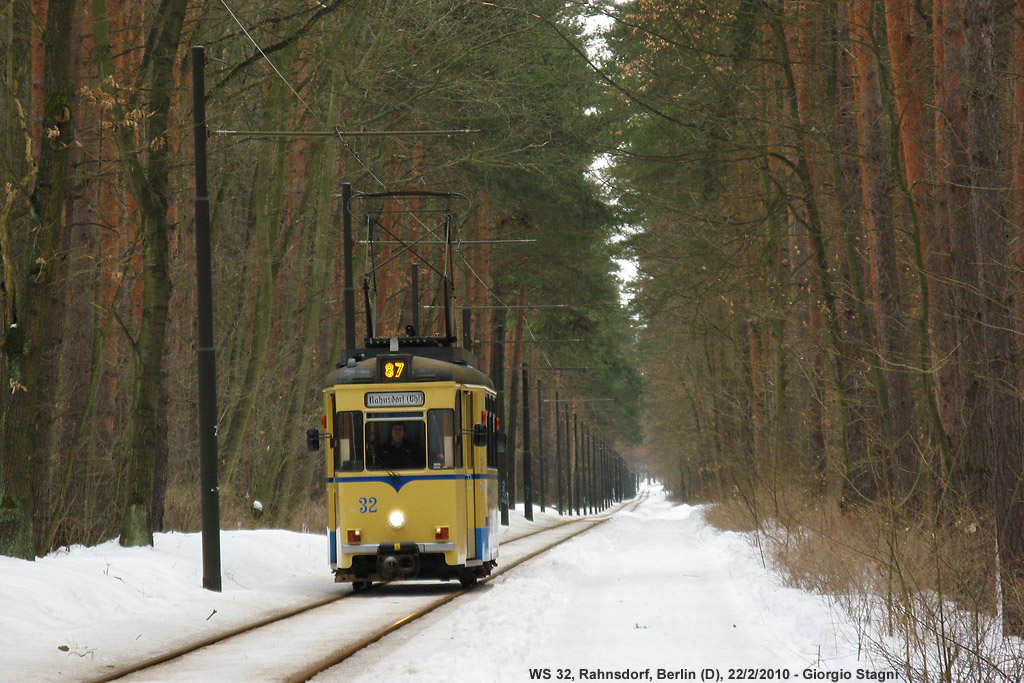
[
  {"x": 355, "y": 536},
  {"x": 441, "y": 533}
]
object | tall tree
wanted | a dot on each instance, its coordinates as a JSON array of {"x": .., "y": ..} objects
[
  {"x": 145, "y": 163},
  {"x": 39, "y": 271},
  {"x": 900, "y": 467},
  {"x": 992, "y": 461}
]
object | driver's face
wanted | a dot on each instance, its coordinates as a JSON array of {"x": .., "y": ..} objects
[{"x": 397, "y": 433}]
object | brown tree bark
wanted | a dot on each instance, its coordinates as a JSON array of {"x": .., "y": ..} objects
[
  {"x": 822, "y": 281},
  {"x": 986, "y": 409},
  {"x": 910, "y": 75},
  {"x": 936, "y": 242},
  {"x": 146, "y": 168},
  {"x": 1018, "y": 131},
  {"x": 514, "y": 357},
  {"x": 481, "y": 293},
  {"x": 1001, "y": 453},
  {"x": 30, "y": 341},
  {"x": 867, "y": 387},
  {"x": 901, "y": 467},
  {"x": 756, "y": 389}
]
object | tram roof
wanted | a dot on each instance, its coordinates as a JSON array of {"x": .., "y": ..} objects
[{"x": 429, "y": 364}]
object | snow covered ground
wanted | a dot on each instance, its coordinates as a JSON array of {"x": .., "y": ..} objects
[{"x": 654, "y": 589}]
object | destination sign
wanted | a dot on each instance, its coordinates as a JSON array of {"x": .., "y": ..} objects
[{"x": 394, "y": 399}]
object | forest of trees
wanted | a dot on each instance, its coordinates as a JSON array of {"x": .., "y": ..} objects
[
  {"x": 99, "y": 373},
  {"x": 824, "y": 200},
  {"x": 827, "y": 200}
]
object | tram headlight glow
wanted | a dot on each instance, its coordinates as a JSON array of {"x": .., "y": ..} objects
[{"x": 396, "y": 519}]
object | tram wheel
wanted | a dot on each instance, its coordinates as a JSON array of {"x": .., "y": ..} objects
[
  {"x": 360, "y": 586},
  {"x": 467, "y": 581}
]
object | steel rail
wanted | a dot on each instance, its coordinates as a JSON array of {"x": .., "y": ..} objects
[
  {"x": 213, "y": 640},
  {"x": 588, "y": 522},
  {"x": 341, "y": 656}
]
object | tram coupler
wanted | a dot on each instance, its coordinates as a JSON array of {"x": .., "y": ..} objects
[{"x": 398, "y": 561}]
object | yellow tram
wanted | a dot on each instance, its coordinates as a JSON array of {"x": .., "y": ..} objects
[{"x": 412, "y": 439}]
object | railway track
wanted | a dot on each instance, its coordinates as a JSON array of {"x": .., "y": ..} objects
[{"x": 341, "y": 625}]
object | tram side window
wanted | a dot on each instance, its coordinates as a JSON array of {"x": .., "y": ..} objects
[
  {"x": 348, "y": 444},
  {"x": 442, "y": 439},
  {"x": 491, "y": 406},
  {"x": 395, "y": 445}
]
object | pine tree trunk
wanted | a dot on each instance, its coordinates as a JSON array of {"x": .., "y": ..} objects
[
  {"x": 146, "y": 169},
  {"x": 1001, "y": 456},
  {"x": 867, "y": 387},
  {"x": 823, "y": 314},
  {"x": 514, "y": 354},
  {"x": 910, "y": 74},
  {"x": 255, "y": 347},
  {"x": 323, "y": 227},
  {"x": 936, "y": 242},
  {"x": 37, "y": 303},
  {"x": 900, "y": 469}
]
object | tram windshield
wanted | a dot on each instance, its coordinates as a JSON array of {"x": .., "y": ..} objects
[
  {"x": 395, "y": 444},
  {"x": 398, "y": 441},
  {"x": 388, "y": 442}
]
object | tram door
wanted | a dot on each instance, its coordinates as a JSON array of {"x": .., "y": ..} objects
[{"x": 464, "y": 408}]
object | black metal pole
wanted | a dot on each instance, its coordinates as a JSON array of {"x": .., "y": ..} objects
[
  {"x": 559, "y": 454},
  {"x": 467, "y": 333},
  {"x": 350, "y": 288},
  {"x": 540, "y": 443},
  {"x": 588, "y": 494},
  {"x": 576, "y": 462},
  {"x": 614, "y": 471},
  {"x": 594, "y": 497},
  {"x": 527, "y": 464},
  {"x": 449, "y": 315},
  {"x": 609, "y": 473},
  {"x": 571, "y": 472},
  {"x": 416, "y": 298},
  {"x": 584, "y": 490},
  {"x": 602, "y": 472},
  {"x": 498, "y": 376},
  {"x": 567, "y": 461},
  {"x": 603, "y": 480},
  {"x": 592, "y": 471},
  {"x": 370, "y": 331},
  {"x": 206, "y": 357},
  {"x": 449, "y": 285}
]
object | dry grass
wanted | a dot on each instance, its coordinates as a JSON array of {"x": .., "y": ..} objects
[
  {"x": 183, "y": 512},
  {"x": 731, "y": 515},
  {"x": 923, "y": 594}
]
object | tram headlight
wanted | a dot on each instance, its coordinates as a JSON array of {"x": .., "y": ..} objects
[{"x": 396, "y": 519}]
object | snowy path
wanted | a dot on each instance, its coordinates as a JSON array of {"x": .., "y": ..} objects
[{"x": 652, "y": 589}]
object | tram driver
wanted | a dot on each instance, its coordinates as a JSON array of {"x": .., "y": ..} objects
[{"x": 399, "y": 453}]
